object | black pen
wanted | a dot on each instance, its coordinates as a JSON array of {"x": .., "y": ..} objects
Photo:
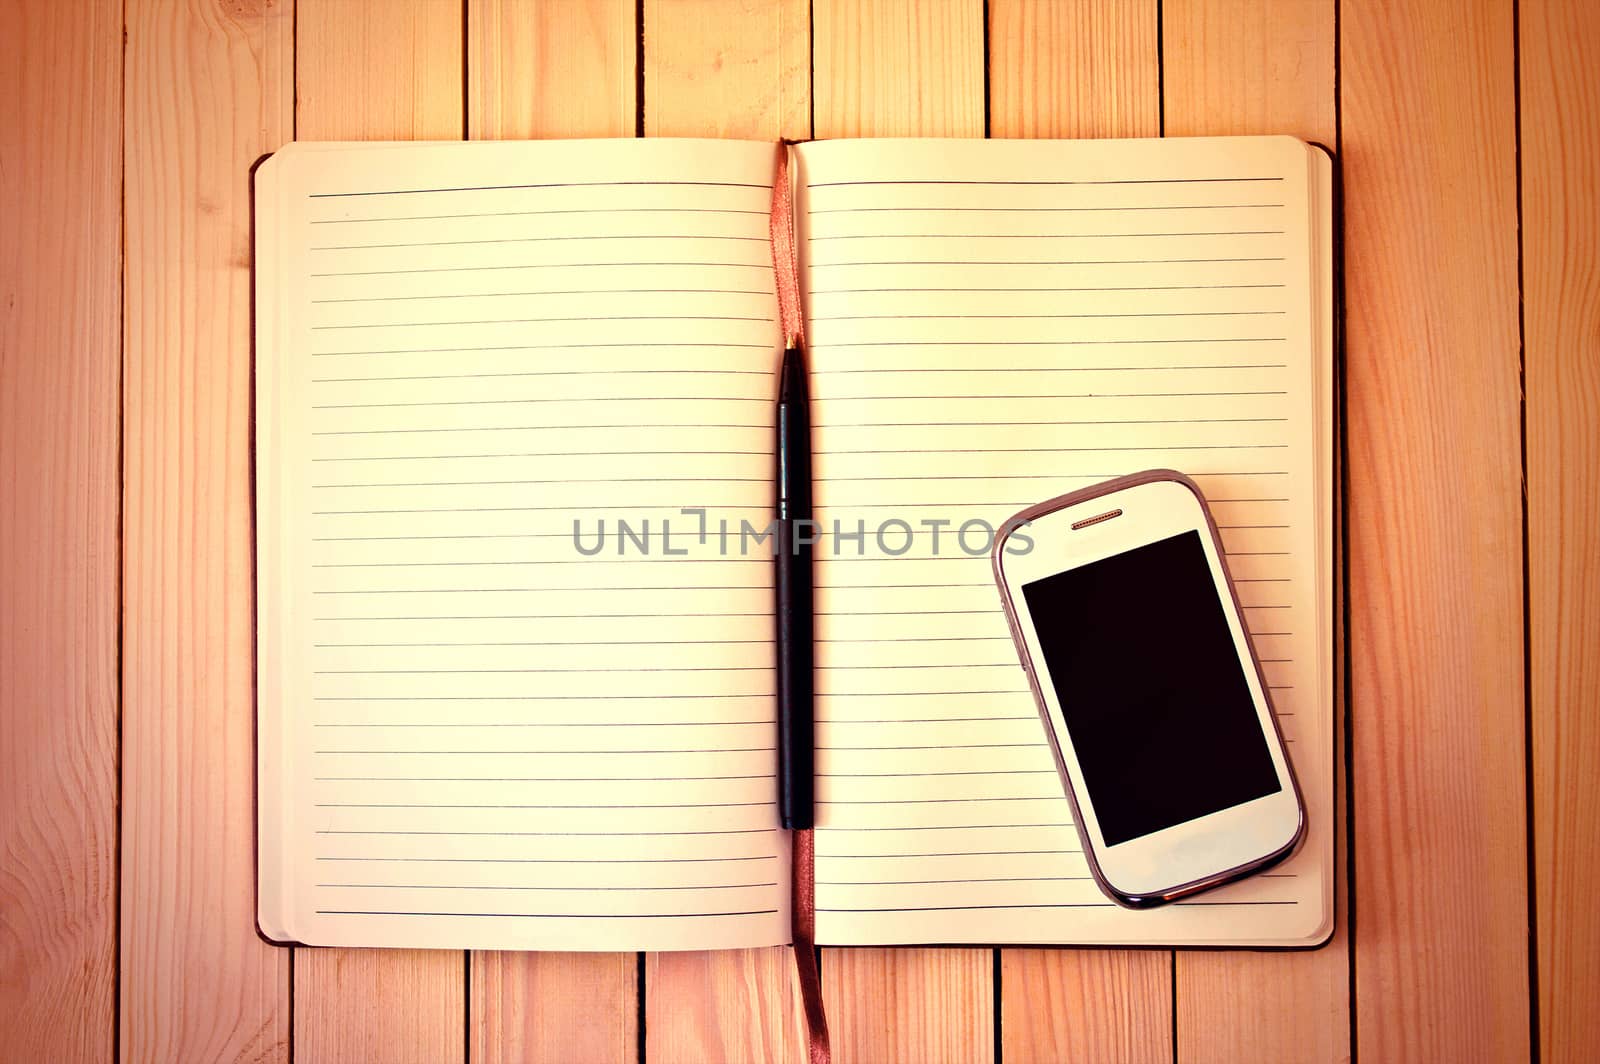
[{"x": 795, "y": 533}]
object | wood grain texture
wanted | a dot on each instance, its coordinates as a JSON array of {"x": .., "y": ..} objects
[
  {"x": 209, "y": 91},
  {"x": 1092, "y": 1005},
  {"x": 1249, "y": 67},
  {"x": 1435, "y": 547},
  {"x": 727, "y": 68},
  {"x": 555, "y": 1007},
  {"x": 1561, "y": 323},
  {"x": 1243, "y": 67},
  {"x": 363, "y": 1006},
  {"x": 543, "y": 70},
  {"x": 1079, "y": 70},
  {"x": 60, "y": 216},
  {"x": 726, "y": 1005},
  {"x": 897, "y": 68},
  {"x": 552, "y": 70},
  {"x": 379, "y": 70},
  {"x": 926, "y": 1005},
  {"x": 1082, "y": 69}
]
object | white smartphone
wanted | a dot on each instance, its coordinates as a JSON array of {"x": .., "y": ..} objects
[{"x": 1129, "y": 630}]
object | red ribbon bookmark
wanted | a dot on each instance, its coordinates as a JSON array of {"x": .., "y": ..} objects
[
  {"x": 803, "y": 928},
  {"x": 802, "y": 857},
  {"x": 785, "y": 271}
]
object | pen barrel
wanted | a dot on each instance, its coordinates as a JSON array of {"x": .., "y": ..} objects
[
  {"x": 793, "y": 540},
  {"x": 796, "y": 714}
]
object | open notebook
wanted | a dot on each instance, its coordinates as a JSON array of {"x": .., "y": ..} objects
[{"x": 474, "y": 734}]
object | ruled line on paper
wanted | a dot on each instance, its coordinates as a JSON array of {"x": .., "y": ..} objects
[
  {"x": 924, "y": 639},
  {"x": 550, "y": 698},
  {"x": 541, "y": 373},
  {"x": 552, "y": 860},
  {"x": 938, "y": 746},
  {"x": 537, "y": 779},
  {"x": 431, "y": 752},
  {"x": 1039, "y": 262},
  {"x": 545, "y": 480},
  {"x": 1035, "y": 905},
  {"x": 550, "y": 399},
  {"x": 946, "y": 882},
  {"x": 526, "y": 590},
  {"x": 1046, "y": 210},
  {"x": 765, "y": 722},
  {"x": 1057, "y": 182},
  {"x": 539, "y": 347},
  {"x": 1053, "y": 395},
  {"x": 560, "y": 834},
  {"x": 554, "y": 643},
  {"x": 854, "y": 802},
  {"x": 964, "y": 772},
  {"x": 725, "y": 452},
  {"x": 530, "y": 240},
  {"x": 1037, "y": 236},
  {"x": 836, "y": 829},
  {"x": 534, "y": 321},
  {"x": 476, "y": 886},
  {"x": 1049, "y": 317},
  {"x": 1035, "y": 370},
  {"x": 459, "y": 805},
  {"x": 544, "y": 184},
  {"x": 1049, "y": 288},
  {"x": 539, "y": 266},
  {"x": 539, "y": 428},
  {"x": 519, "y": 214},
  {"x": 1031, "y": 424},
  {"x": 630, "y": 669},
  {"x": 946, "y": 853},
  {"x": 547, "y": 916},
  {"x": 550, "y": 292},
  {"x": 1056, "y": 450}
]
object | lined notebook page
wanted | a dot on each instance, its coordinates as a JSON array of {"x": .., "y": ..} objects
[
  {"x": 472, "y": 734},
  {"x": 993, "y": 324}
]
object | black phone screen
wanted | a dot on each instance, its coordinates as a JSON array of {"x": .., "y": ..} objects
[{"x": 1152, "y": 688}]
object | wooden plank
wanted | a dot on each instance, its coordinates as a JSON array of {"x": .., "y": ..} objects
[
  {"x": 550, "y": 70},
  {"x": 725, "y": 68},
  {"x": 1249, "y": 67},
  {"x": 379, "y": 70},
  {"x": 1079, "y": 70},
  {"x": 1099, "y": 1005},
  {"x": 368, "y": 1005},
  {"x": 1435, "y": 537},
  {"x": 1241, "y": 67},
  {"x": 578, "y": 83},
  {"x": 897, "y": 68},
  {"x": 723, "y": 1005},
  {"x": 557, "y": 1007},
  {"x": 207, "y": 95},
  {"x": 1561, "y": 314},
  {"x": 1086, "y": 69},
  {"x": 60, "y": 142},
  {"x": 928, "y": 1005}
]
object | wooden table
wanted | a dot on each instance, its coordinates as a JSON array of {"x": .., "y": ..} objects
[{"x": 1471, "y": 486}]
